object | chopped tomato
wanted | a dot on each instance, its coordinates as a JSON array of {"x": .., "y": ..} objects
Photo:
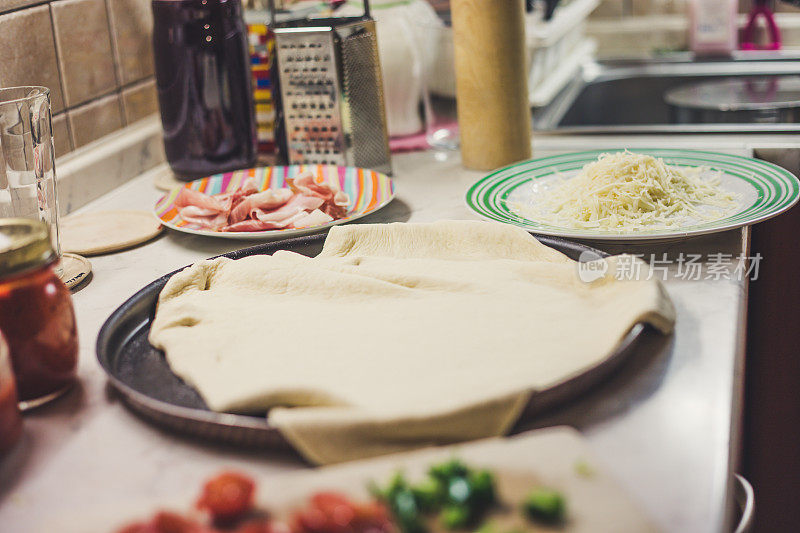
[
  {"x": 262, "y": 525},
  {"x": 227, "y": 496},
  {"x": 372, "y": 512},
  {"x": 310, "y": 520},
  {"x": 337, "y": 509},
  {"x": 169, "y": 522},
  {"x": 166, "y": 522},
  {"x": 330, "y": 512},
  {"x": 137, "y": 527},
  {"x": 328, "y": 500}
]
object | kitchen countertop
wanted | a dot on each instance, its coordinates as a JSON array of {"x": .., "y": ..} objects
[{"x": 666, "y": 425}]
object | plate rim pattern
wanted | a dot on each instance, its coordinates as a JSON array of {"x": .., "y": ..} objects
[{"x": 777, "y": 190}]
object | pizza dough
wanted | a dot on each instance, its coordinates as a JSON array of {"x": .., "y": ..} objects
[{"x": 396, "y": 335}]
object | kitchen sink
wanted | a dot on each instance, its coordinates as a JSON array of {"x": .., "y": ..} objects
[{"x": 629, "y": 96}]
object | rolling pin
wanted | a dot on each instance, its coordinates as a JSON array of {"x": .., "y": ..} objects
[{"x": 491, "y": 84}]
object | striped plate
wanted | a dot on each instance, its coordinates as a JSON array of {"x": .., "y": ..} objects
[
  {"x": 763, "y": 191},
  {"x": 368, "y": 191}
]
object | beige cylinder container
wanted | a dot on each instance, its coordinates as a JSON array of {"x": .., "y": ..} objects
[{"x": 491, "y": 85}]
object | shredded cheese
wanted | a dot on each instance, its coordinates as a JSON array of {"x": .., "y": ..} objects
[{"x": 625, "y": 191}]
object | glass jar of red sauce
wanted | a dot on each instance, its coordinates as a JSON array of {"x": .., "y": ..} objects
[
  {"x": 10, "y": 417},
  {"x": 36, "y": 313}
]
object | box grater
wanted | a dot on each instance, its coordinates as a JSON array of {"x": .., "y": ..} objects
[{"x": 331, "y": 91}]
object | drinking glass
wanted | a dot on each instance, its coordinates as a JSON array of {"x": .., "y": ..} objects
[
  {"x": 416, "y": 55},
  {"x": 439, "y": 87},
  {"x": 27, "y": 158}
]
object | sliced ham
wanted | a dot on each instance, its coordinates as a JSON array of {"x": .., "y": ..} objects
[
  {"x": 190, "y": 197},
  {"x": 251, "y": 225},
  {"x": 335, "y": 200},
  {"x": 297, "y": 204},
  {"x": 203, "y": 218},
  {"x": 309, "y": 201},
  {"x": 248, "y": 187},
  {"x": 314, "y": 218},
  {"x": 341, "y": 199},
  {"x": 333, "y": 210},
  {"x": 307, "y": 183},
  {"x": 265, "y": 201},
  {"x": 283, "y": 217},
  {"x": 198, "y": 212},
  {"x": 236, "y": 199},
  {"x": 271, "y": 198}
]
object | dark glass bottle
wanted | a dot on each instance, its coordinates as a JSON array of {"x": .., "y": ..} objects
[{"x": 204, "y": 85}]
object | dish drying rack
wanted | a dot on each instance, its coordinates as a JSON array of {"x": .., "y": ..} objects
[{"x": 557, "y": 48}]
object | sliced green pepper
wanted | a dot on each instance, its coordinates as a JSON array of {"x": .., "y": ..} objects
[
  {"x": 430, "y": 494},
  {"x": 456, "y": 516},
  {"x": 545, "y": 505}
]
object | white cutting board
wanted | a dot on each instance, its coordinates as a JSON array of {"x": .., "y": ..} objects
[{"x": 546, "y": 457}]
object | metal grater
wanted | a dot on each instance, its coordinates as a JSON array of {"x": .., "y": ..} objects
[{"x": 331, "y": 92}]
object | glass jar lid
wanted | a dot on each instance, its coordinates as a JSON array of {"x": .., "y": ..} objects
[{"x": 24, "y": 244}]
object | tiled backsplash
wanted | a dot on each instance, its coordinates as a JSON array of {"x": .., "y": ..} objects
[{"x": 94, "y": 55}]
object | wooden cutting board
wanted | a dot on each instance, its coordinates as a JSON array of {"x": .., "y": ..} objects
[
  {"x": 556, "y": 458},
  {"x": 102, "y": 232}
]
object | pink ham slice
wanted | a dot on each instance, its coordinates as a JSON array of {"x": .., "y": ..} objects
[
  {"x": 307, "y": 183},
  {"x": 308, "y": 202},
  {"x": 265, "y": 201},
  {"x": 333, "y": 210},
  {"x": 248, "y": 187},
  {"x": 189, "y": 197},
  {"x": 296, "y": 205},
  {"x": 204, "y": 218},
  {"x": 314, "y": 218},
  {"x": 214, "y": 204},
  {"x": 341, "y": 199},
  {"x": 296, "y": 209},
  {"x": 335, "y": 200},
  {"x": 251, "y": 225},
  {"x": 198, "y": 212}
]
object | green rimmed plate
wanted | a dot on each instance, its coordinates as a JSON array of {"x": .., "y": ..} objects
[{"x": 763, "y": 191}]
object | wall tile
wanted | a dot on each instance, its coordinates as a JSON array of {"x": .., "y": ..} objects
[
  {"x": 790, "y": 35},
  {"x": 634, "y": 36},
  {"x": 131, "y": 30},
  {"x": 139, "y": 101},
  {"x": 789, "y": 25},
  {"x": 61, "y": 137},
  {"x": 659, "y": 7},
  {"x": 8, "y": 5},
  {"x": 91, "y": 121},
  {"x": 610, "y": 9},
  {"x": 84, "y": 49},
  {"x": 780, "y": 7},
  {"x": 29, "y": 58}
]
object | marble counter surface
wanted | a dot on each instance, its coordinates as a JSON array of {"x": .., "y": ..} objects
[{"x": 666, "y": 425}]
